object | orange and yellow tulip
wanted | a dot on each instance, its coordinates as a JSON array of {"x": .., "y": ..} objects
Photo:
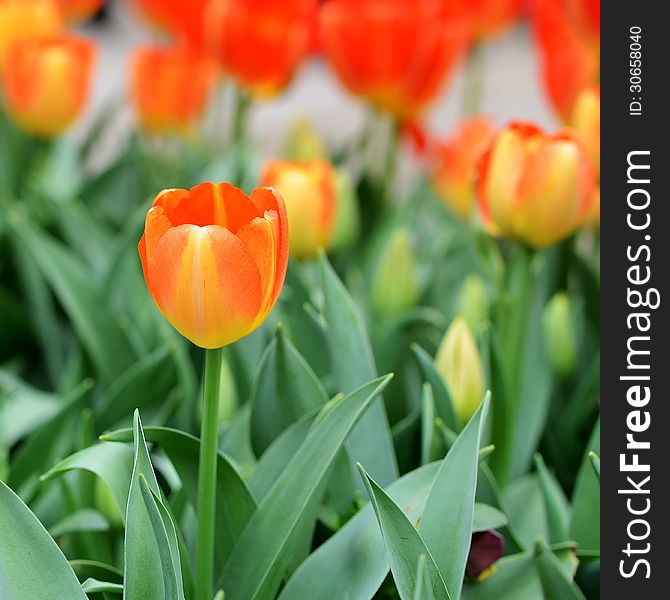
[
  {"x": 170, "y": 87},
  {"x": 46, "y": 82},
  {"x": 182, "y": 20},
  {"x": 534, "y": 187},
  {"x": 215, "y": 259},
  {"x": 457, "y": 160},
  {"x": 586, "y": 122},
  {"x": 308, "y": 188},
  {"x": 76, "y": 11},
  {"x": 23, "y": 18},
  {"x": 395, "y": 53},
  {"x": 570, "y": 51},
  {"x": 260, "y": 42}
]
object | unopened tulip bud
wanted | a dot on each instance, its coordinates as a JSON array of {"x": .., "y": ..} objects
[
  {"x": 308, "y": 188},
  {"x": 559, "y": 334},
  {"x": 303, "y": 142},
  {"x": 459, "y": 364},
  {"x": 395, "y": 287},
  {"x": 534, "y": 187},
  {"x": 347, "y": 214},
  {"x": 472, "y": 302}
]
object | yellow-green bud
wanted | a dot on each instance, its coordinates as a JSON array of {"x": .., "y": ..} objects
[
  {"x": 303, "y": 142},
  {"x": 559, "y": 334},
  {"x": 472, "y": 302},
  {"x": 460, "y": 367},
  {"x": 395, "y": 287},
  {"x": 347, "y": 217}
]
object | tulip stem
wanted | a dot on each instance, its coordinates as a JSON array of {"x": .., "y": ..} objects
[
  {"x": 242, "y": 101},
  {"x": 207, "y": 476},
  {"x": 474, "y": 80}
]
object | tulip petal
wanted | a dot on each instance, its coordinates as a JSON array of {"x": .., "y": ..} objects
[
  {"x": 259, "y": 238},
  {"x": 206, "y": 283}
]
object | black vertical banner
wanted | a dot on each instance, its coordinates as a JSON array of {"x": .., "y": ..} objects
[{"x": 635, "y": 259}]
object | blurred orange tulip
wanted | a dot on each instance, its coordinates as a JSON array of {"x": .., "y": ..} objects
[
  {"x": 586, "y": 122},
  {"x": 395, "y": 53},
  {"x": 170, "y": 87},
  {"x": 46, "y": 82},
  {"x": 457, "y": 159},
  {"x": 215, "y": 259},
  {"x": 309, "y": 191},
  {"x": 535, "y": 187},
  {"x": 183, "y": 20},
  {"x": 570, "y": 50},
  {"x": 22, "y": 18},
  {"x": 260, "y": 42},
  {"x": 77, "y": 11},
  {"x": 490, "y": 17}
]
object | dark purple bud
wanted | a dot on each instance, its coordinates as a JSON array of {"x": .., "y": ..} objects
[{"x": 486, "y": 548}]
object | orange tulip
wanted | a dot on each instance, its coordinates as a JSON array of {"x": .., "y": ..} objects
[
  {"x": 570, "y": 53},
  {"x": 260, "y": 42},
  {"x": 395, "y": 53},
  {"x": 46, "y": 82},
  {"x": 77, "y": 11},
  {"x": 22, "y": 18},
  {"x": 489, "y": 17},
  {"x": 586, "y": 122},
  {"x": 170, "y": 87},
  {"x": 215, "y": 259},
  {"x": 309, "y": 191},
  {"x": 535, "y": 187},
  {"x": 183, "y": 20},
  {"x": 454, "y": 178}
]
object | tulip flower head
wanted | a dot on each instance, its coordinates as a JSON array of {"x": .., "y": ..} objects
[
  {"x": 457, "y": 160},
  {"x": 182, "y": 20},
  {"x": 460, "y": 367},
  {"x": 395, "y": 53},
  {"x": 215, "y": 259},
  {"x": 27, "y": 18},
  {"x": 490, "y": 17},
  {"x": 569, "y": 48},
  {"x": 260, "y": 42},
  {"x": 309, "y": 191},
  {"x": 534, "y": 187},
  {"x": 170, "y": 87},
  {"x": 46, "y": 82},
  {"x": 586, "y": 121}
]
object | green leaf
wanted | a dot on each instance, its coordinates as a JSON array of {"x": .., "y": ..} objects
[
  {"x": 258, "y": 561},
  {"x": 142, "y": 574},
  {"x": 446, "y": 524},
  {"x": 428, "y": 438},
  {"x": 234, "y": 502},
  {"x": 285, "y": 389},
  {"x": 487, "y": 517},
  {"x": 524, "y": 507},
  {"x": 423, "y": 589},
  {"x": 353, "y": 562},
  {"x": 585, "y": 522},
  {"x": 353, "y": 364},
  {"x": 98, "y": 329},
  {"x": 112, "y": 462},
  {"x": 404, "y": 544},
  {"x": 30, "y": 561},
  {"x": 555, "y": 503},
  {"x": 166, "y": 538},
  {"x": 443, "y": 404},
  {"x": 595, "y": 461},
  {"x": 90, "y": 569},
  {"x": 85, "y": 519},
  {"x": 556, "y": 583},
  {"x": 279, "y": 454},
  {"x": 93, "y": 586}
]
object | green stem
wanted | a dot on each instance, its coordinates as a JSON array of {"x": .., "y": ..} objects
[
  {"x": 474, "y": 80},
  {"x": 207, "y": 476},
  {"x": 242, "y": 101}
]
